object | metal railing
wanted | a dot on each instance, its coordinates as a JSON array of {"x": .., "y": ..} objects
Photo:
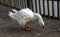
[
  {"x": 49, "y": 8},
  {"x": 19, "y": 4}
]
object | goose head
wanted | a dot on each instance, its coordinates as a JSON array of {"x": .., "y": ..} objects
[{"x": 40, "y": 20}]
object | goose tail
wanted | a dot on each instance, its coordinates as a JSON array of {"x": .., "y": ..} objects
[{"x": 12, "y": 15}]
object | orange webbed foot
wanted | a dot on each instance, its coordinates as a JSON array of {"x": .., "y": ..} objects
[{"x": 27, "y": 27}]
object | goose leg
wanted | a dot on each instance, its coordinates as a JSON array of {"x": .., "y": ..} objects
[{"x": 26, "y": 27}]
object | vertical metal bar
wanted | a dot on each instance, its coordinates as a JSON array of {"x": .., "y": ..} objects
[
  {"x": 41, "y": 3},
  {"x": 58, "y": 9},
  {"x": 32, "y": 5},
  {"x": 26, "y": 3},
  {"x": 15, "y": 3},
  {"x": 36, "y": 5},
  {"x": 43, "y": 9},
  {"x": 39, "y": 7},
  {"x": 29, "y": 4},
  {"x": 12, "y": 3},
  {"x": 50, "y": 9},
  {"x": 23, "y": 4},
  {"x": 34, "y": 8},
  {"x": 46, "y": 8},
  {"x": 53, "y": 8},
  {"x": 19, "y": 4}
]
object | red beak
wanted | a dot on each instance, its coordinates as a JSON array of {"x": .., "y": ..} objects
[{"x": 43, "y": 27}]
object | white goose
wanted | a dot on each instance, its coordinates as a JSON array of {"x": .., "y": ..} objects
[{"x": 25, "y": 15}]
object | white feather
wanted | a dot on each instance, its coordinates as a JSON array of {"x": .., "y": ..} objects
[
  {"x": 14, "y": 10},
  {"x": 22, "y": 15},
  {"x": 12, "y": 16}
]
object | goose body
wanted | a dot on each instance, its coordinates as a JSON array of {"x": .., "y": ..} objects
[{"x": 25, "y": 15}]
